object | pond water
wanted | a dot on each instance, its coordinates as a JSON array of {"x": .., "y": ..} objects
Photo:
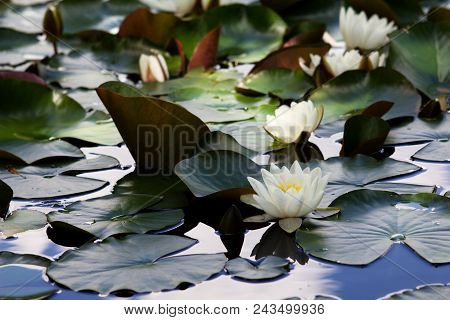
[{"x": 399, "y": 268}]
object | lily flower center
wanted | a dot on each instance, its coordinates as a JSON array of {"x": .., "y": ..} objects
[{"x": 286, "y": 186}]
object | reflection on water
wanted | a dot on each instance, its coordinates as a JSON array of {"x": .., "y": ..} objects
[{"x": 399, "y": 269}]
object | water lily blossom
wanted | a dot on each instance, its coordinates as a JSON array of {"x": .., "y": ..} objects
[
  {"x": 286, "y": 194},
  {"x": 338, "y": 63},
  {"x": 153, "y": 68},
  {"x": 364, "y": 33},
  {"x": 289, "y": 123},
  {"x": 184, "y": 7}
]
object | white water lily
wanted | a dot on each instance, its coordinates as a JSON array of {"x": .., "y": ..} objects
[
  {"x": 337, "y": 63},
  {"x": 286, "y": 194},
  {"x": 289, "y": 123},
  {"x": 361, "y": 32},
  {"x": 153, "y": 68}
]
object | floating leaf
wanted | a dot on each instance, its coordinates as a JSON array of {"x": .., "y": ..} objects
[
  {"x": 115, "y": 214},
  {"x": 283, "y": 83},
  {"x": 371, "y": 221},
  {"x": 20, "y": 283},
  {"x": 205, "y": 53},
  {"x": 263, "y": 269},
  {"x": 215, "y": 171},
  {"x": 103, "y": 15},
  {"x": 8, "y": 258},
  {"x": 140, "y": 118},
  {"x": 248, "y": 33},
  {"x": 427, "y": 292},
  {"x": 35, "y": 113},
  {"x": 17, "y": 47},
  {"x": 22, "y": 220},
  {"x": 434, "y": 151},
  {"x": 421, "y": 55},
  {"x": 359, "y": 172},
  {"x": 171, "y": 188},
  {"x": 354, "y": 90},
  {"x": 288, "y": 58},
  {"x": 420, "y": 130},
  {"x": 111, "y": 262},
  {"x": 156, "y": 27},
  {"x": 54, "y": 179}
]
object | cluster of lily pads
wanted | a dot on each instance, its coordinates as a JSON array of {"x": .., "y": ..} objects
[{"x": 250, "y": 84}]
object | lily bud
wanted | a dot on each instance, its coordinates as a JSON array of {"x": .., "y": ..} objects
[
  {"x": 52, "y": 24},
  {"x": 153, "y": 68}
]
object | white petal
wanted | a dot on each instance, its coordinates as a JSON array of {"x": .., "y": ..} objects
[
  {"x": 261, "y": 218},
  {"x": 290, "y": 224}
]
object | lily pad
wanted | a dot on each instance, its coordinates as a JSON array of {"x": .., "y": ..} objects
[
  {"x": 371, "y": 221},
  {"x": 17, "y": 47},
  {"x": 103, "y": 15},
  {"x": 263, "y": 269},
  {"x": 354, "y": 90},
  {"x": 347, "y": 174},
  {"x": 106, "y": 267},
  {"x": 23, "y": 18},
  {"x": 428, "y": 292},
  {"x": 146, "y": 123},
  {"x": 420, "y": 130},
  {"x": 434, "y": 151},
  {"x": 35, "y": 113},
  {"x": 54, "y": 179},
  {"x": 115, "y": 214},
  {"x": 74, "y": 79},
  {"x": 8, "y": 258},
  {"x": 170, "y": 188},
  {"x": 248, "y": 33},
  {"x": 23, "y": 283},
  {"x": 282, "y": 83},
  {"x": 6, "y": 195},
  {"x": 22, "y": 220},
  {"x": 215, "y": 171},
  {"x": 421, "y": 55}
]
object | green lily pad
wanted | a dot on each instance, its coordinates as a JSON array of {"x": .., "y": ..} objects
[
  {"x": 23, "y": 18},
  {"x": 115, "y": 214},
  {"x": 354, "y": 90},
  {"x": 6, "y": 195},
  {"x": 22, "y": 220},
  {"x": 422, "y": 56},
  {"x": 247, "y": 34},
  {"x": 103, "y": 15},
  {"x": 251, "y": 135},
  {"x": 215, "y": 171},
  {"x": 8, "y": 258},
  {"x": 146, "y": 257},
  {"x": 17, "y": 47},
  {"x": 98, "y": 50},
  {"x": 282, "y": 83},
  {"x": 347, "y": 174},
  {"x": 54, "y": 179},
  {"x": 22, "y": 283},
  {"x": 420, "y": 130},
  {"x": 263, "y": 269},
  {"x": 428, "y": 292},
  {"x": 213, "y": 115},
  {"x": 171, "y": 188},
  {"x": 35, "y": 113},
  {"x": 146, "y": 122},
  {"x": 32, "y": 151},
  {"x": 371, "y": 221},
  {"x": 73, "y": 79},
  {"x": 434, "y": 151}
]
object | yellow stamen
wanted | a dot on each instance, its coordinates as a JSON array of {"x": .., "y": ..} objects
[{"x": 286, "y": 186}]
